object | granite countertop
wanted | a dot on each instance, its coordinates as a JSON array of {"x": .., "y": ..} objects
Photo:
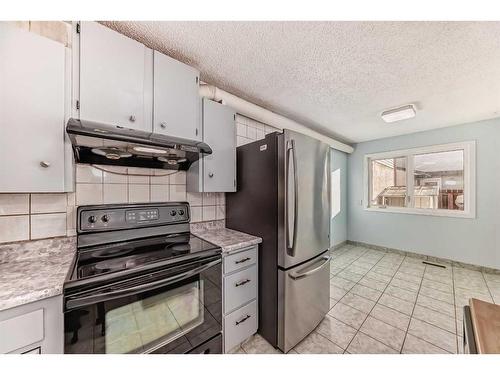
[
  {"x": 34, "y": 270},
  {"x": 227, "y": 239}
]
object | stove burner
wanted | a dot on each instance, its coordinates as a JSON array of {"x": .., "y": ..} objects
[{"x": 137, "y": 253}]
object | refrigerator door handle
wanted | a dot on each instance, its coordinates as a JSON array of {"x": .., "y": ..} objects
[
  {"x": 326, "y": 260},
  {"x": 291, "y": 213}
]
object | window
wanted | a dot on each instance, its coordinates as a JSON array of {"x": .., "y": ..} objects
[
  {"x": 335, "y": 193},
  {"x": 435, "y": 180}
]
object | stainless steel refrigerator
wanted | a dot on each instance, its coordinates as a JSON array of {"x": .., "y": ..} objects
[{"x": 283, "y": 196}]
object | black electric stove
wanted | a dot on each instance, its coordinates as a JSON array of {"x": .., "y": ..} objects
[{"x": 146, "y": 282}]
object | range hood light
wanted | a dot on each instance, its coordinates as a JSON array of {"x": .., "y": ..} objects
[
  {"x": 111, "y": 153},
  {"x": 397, "y": 114},
  {"x": 149, "y": 150}
]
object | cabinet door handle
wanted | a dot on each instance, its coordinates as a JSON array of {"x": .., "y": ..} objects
[
  {"x": 243, "y": 319},
  {"x": 132, "y": 118},
  {"x": 44, "y": 164},
  {"x": 163, "y": 125},
  {"x": 242, "y": 282},
  {"x": 242, "y": 260},
  {"x": 211, "y": 174}
]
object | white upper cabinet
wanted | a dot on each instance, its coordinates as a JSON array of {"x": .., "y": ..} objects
[
  {"x": 115, "y": 78},
  {"x": 177, "y": 105},
  {"x": 216, "y": 172},
  {"x": 32, "y": 105}
]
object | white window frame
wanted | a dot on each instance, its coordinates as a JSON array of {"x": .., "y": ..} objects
[{"x": 469, "y": 150}]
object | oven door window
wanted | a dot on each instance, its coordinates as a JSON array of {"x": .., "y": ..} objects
[
  {"x": 173, "y": 318},
  {"x": 154, "y": 320}
]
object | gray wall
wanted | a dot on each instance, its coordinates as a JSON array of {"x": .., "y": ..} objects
[
  {"x": 475, "y": 241},
  {"x": 338, "y": 228}
]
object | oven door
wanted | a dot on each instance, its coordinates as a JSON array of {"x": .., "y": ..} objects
[{"x": 173, "y": 310}]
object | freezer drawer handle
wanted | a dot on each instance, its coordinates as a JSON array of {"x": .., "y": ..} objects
[
  {"x": 242, "y": 282},
  {"x": 242, "y": 260},
  {"x": 296, "y": 276},
  {"x": 243, "y": 319}
]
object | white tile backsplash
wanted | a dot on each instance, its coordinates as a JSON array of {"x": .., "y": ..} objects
[
  {"x": 55, "y": 214},
  {"x": 159, "y": 193},
  {"x": 221, "y": 199},
  {"x": 178, "y": 178},
  {"x": 251, "y": 133},
  {"x": 48, "y": 225},
  {"x": 88, "y": 194},
  {"x": 14, "y": 228},
  {"x": 14, "y": 204},
  {"x": 208, "y": 213},
  {"x": 88, "y": 174},
  {"x": 195, "y": 199},
  {"x": 115, "y": 175},
  {"x": 209, "y": 199},
  {"x": 241, "y": 130},
  {"x": 139, "y": 175},
  {"x": 115, "y": 193},
  {"x": 177, "y": 193},
  {"x": 48, "y": 203},
  {"x": 196, "y": 214},
  {"x": 161, "y": 177},
  {"x": 220, "y": 212},
  {"x": 138, "y": 193}
]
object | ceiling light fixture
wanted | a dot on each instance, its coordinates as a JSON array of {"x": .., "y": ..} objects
[{"x": 401, "y": 113}]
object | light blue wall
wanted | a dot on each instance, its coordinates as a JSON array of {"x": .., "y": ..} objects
[
  {"x": 338, "y": 228},
  {"x": 475, "y": 241}
]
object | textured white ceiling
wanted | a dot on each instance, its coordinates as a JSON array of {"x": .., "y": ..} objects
[{"x": 336, "y": 77}]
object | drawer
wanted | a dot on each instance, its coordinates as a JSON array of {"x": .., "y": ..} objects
[
  {"x": 240, "y": 260},
  {"x": 240, "y": 325},
  {"x": 240, "y": 288},
  {"x": 21, "y": 331}
]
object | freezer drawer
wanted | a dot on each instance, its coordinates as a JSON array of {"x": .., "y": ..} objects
[{"x": 304, "y": 300}]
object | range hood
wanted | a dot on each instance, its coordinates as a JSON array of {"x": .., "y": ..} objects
[{"x": 97, "y": 143}]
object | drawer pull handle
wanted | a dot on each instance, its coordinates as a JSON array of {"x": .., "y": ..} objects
[
  {"x": 243, "y": 319},
  {"x": 242, "y": 260},
  {"x": 243, "y": 282}
]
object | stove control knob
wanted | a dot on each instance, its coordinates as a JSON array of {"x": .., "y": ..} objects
[
  {"x": 92, "y": 219},
  {"x": 181, "y": 212},
  {"x": 105, "y": 218},
  {"x": 173, "y": 213}
]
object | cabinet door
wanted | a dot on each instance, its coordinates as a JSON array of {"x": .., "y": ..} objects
[
  {"x": 219, "y": 132},
  {"x": 177, "y": 104},
  {"x": 113, "y": 78},
  {"x": 32, "y": 101}
]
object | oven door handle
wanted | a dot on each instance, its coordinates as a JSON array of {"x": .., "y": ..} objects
[{"x": 74, "y": 302}]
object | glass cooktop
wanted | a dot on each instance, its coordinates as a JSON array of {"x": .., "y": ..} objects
[{"x": 136, "y": 253}]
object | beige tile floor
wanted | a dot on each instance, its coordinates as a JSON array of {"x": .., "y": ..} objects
[{"x": 390, "y": 303}]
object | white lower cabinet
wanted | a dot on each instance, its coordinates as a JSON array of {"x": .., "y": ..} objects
[
  {"x": 240, "y": 292},
  {"x": 240, "y": 325},
  {"x": 34, "y": 328}
]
